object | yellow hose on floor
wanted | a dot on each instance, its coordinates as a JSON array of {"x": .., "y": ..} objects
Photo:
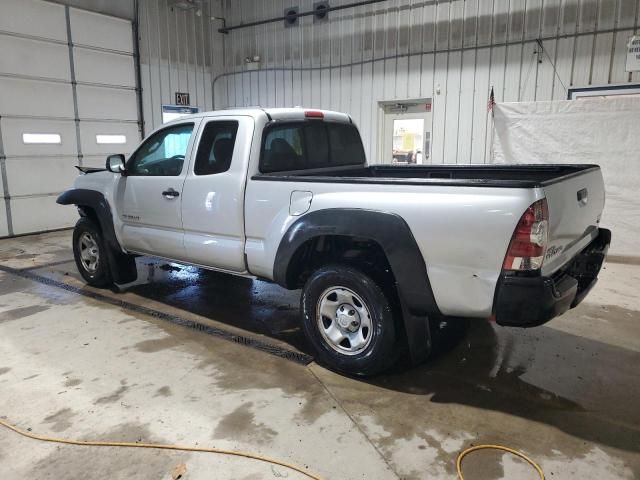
[
  {"x": 496, "y": 447},
  {"x": 252, "y": 456},
  {"x": 160, "y": 446}
]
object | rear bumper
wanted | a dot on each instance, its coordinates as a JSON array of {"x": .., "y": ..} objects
[{"x": 531, "y": 301}]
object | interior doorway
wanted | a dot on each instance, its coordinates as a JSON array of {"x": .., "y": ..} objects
[{"x": 405, "y": 132}]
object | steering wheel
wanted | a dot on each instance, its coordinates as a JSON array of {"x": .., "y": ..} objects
[{"x": 176, "y": 157}]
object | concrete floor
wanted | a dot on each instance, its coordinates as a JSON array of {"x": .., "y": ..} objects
[{"x": 81, "y": 363}]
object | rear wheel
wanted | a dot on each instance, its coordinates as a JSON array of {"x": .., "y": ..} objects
[
  {"x": 349, "y": 321},
  {"x": 90, "y": 254}
]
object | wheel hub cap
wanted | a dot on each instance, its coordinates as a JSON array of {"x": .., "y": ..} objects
[
  {"x": 347, "y": 317},
  {"x": 344, "y": 320},
  {"x": 89, "y": 252}
]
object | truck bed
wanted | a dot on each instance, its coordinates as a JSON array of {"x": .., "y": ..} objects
[{"x": 514, "y": 176}]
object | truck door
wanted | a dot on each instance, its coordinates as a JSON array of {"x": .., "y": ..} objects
[
  {"x": 148, "y": 197},
  {"x": 213, "y": 198}
]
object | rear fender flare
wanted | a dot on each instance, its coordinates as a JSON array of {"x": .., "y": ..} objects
[{"x": 394, "y": 236}]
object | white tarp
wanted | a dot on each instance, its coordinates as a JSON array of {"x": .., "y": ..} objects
[{"x": 605, "y": 131}]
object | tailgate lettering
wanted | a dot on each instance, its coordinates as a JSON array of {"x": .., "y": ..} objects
[{"x": 552, "y": 251}]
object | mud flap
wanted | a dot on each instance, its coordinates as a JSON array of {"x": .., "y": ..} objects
[
  {"x": 122, "y": 267},
  {"x": 418, "y": 332}
]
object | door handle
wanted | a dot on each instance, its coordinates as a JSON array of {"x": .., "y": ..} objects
[{"x": 170, "y": 194}]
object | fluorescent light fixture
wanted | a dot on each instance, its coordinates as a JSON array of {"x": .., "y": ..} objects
[
  {"x": 41, "y": 138},
  {"x": 110, "y": 139}
]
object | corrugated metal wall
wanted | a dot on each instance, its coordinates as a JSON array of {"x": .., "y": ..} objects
[
  {"x": 180, "y": 51},
  {"x": 451, "y": 51}
]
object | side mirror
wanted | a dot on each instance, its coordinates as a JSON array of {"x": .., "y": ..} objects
[{"x": 115, "y": 163}]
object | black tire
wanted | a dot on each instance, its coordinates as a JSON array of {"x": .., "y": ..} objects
[
  {"x": 380, "y": 352},
  {"x": 100, "y": 276}
]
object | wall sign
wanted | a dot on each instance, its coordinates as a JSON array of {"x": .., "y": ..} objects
[
  {"x": 633, "y": 54},
  {"x": 171, "y": 112},
  {"x": 603, "y": 91},
  {"x": 182, "y": 98}
]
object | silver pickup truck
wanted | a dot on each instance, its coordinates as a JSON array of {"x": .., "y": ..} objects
[{"x": 383, "y": 254}]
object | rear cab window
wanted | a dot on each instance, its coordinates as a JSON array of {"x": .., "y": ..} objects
[{"x": 310, "y": 145}]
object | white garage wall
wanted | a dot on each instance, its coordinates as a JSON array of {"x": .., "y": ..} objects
[
  {"x": 451, "y": 51},
  {"x": 104, "y": 67},
  {"x": 63, "y": 71},
  {"x": 37, "y": 97}
]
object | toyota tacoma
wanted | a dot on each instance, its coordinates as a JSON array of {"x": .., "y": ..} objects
[{"x": 383, "y": 255}]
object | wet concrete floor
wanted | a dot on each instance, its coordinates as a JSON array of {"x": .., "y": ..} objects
[{"x": 81, "y": 367}]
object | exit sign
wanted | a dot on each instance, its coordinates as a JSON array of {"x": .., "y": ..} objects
[{"x": 182, "y": 98}]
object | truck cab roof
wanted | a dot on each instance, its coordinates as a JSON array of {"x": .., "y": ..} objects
[{"x": 296, "y": 113}]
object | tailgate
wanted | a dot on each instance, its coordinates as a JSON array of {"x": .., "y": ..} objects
[{"x": 575, "y": 206}]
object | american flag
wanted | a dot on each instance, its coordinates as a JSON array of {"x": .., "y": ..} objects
[{"x": 492, "y": 101}]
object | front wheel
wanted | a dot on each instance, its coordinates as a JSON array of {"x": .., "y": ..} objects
[
  {"x": 90, "y": 254},
  {"x": 349, "y": 321}
]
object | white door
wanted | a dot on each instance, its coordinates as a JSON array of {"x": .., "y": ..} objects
[
  {"x": 213, "y": 199},
  {"x": 67, "y": 83},
  {"x": 148, "y": 199},
  {"x": 104, "y": 67},
  {"x": 406, "y": 134}
]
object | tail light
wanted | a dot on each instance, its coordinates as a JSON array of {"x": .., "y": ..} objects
[
  {"x": 313, "y": 114},
  {"x": 529, "y": 241}
]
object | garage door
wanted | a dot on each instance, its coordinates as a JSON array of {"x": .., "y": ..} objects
[{"x": 67, "y": 97}]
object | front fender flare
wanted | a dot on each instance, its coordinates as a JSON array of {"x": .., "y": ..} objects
[
  {"x": 95, "y": 200},
  {"x": 122, "y": 266}
]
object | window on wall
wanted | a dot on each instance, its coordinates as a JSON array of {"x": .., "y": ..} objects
[
  {"x": 109, "y": 139},
  {"x": 41, "y": 138},
  {"x": 216, "y": 147},
  {"x": 163, "y": 153}
]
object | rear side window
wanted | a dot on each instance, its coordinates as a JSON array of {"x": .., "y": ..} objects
[
  {"x": 216, "y": 147},
  {"x": 310, "y": 145},
  {"x": 283, "y": 149}
]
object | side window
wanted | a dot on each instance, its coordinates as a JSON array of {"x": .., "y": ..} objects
[
  {"x": 216, "y": 147},
  {"x": 283, "y": 149},
  {"x": 162, "y": 155}
]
